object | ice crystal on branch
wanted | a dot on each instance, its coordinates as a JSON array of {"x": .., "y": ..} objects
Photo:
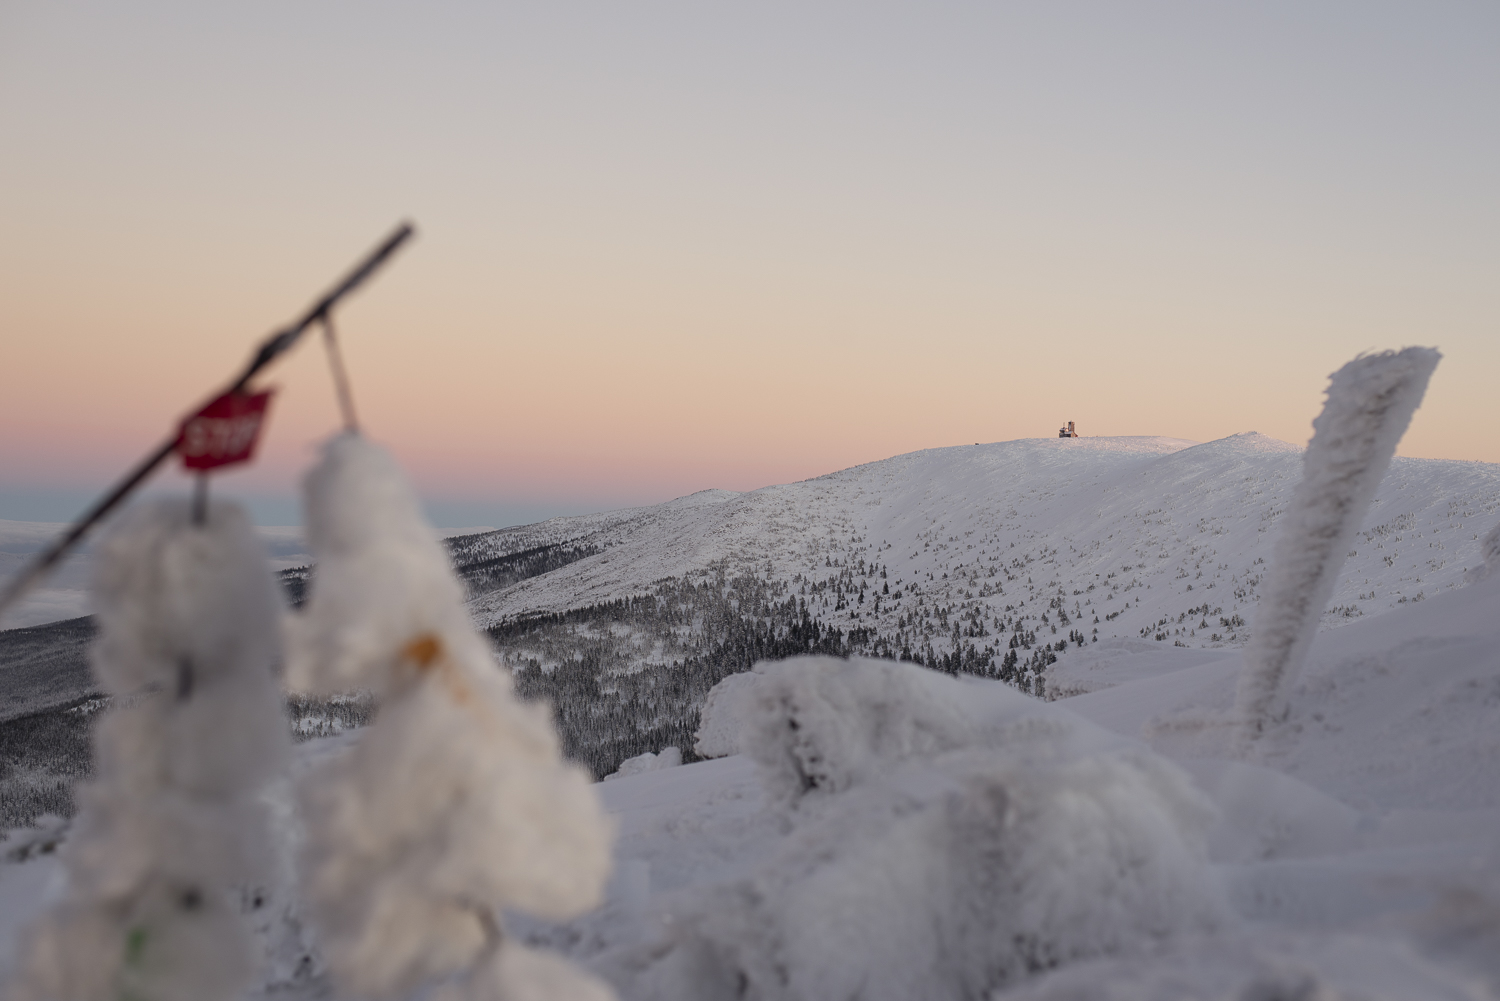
[
  {"x": 456, "y": 802},
  {"x": 188, "y": 644},
  {"x": 1370, "y": 403}
]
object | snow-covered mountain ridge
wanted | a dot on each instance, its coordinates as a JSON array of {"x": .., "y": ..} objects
[{"x": 1154, "y": 537}]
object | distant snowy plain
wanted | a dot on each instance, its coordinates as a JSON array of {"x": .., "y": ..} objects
[
  {"x": 65, "y": 594},
  {"x": 1354, "y": 854}
]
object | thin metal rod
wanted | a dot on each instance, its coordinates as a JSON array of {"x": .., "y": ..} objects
[
  {"x": 268, "y": 350},
  {"x": 54, "y": 554},
  {"x": 340, "y": 375},
  {"x": 200, "y": 499},
  {"x": 277, "y": 343}
]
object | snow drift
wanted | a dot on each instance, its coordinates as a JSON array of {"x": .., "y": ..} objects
[
  {"x": 954, "y": 836},
  {"x": 455, "y": 804},
  {"x": 188, "y": 643}
]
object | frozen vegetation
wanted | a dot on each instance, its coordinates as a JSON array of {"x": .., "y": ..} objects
[
  {"x": 173, "y": 821},
  {"x": 870, "y": 829},
  {"x": 955, "y": 836},
  {"x": 455, "y": 804},
  {"x": 1370, "y": 403}
]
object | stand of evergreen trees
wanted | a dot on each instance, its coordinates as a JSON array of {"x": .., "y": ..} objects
[{"x": 629, "y": 676}]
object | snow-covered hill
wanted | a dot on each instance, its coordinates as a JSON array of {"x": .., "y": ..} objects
[{"x": 1152, "y": 537}]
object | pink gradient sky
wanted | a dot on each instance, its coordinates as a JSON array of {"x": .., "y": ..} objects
[{"x": 664, "y": 248}]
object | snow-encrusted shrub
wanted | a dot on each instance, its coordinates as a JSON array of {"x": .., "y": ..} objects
[
  {"x": 947, "y": 837},
  {"x": 174, "y": 819},
  {"x": 455, "y": 803},
  {"x": 381, "y": 578},
  {"x": 722, "y": 717},
  {"x": 1370, "y": 403},
  {"x": 824, "y": 724}
]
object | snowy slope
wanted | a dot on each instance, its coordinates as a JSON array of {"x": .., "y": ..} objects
[
  {"x": 1359, "y": 850},
  {"x": 1155, "y": 537},
  {"x": 1399, "y": 712}
]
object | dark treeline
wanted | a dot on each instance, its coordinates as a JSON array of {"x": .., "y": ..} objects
[
  {"x": 629, "y": 676},
  {"x": 609, "y": 706},
  {"x": 41, "y": 756},
  {"x": 495, "y": 573}
]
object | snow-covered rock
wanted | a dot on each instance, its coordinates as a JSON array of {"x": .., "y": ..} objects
[
  {"x": 722, "y": 722},
  {"x": 669, "y": 757}
]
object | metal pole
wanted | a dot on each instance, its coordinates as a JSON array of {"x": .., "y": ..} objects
[{"x": 269, "y": 350}]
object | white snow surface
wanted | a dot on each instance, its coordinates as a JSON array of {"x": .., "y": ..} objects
[
  {"x": 668, "y": 757},
  {"x": 952, "y": 835}
]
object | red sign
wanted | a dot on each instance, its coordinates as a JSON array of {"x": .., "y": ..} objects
[{"x": 224, "y": 432}]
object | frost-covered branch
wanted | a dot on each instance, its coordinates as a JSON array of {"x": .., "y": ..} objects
[
  {"x": 188, "y": 642},
  {"x": 456, "y": 803},
  {"x": 1370, "y": 403}
]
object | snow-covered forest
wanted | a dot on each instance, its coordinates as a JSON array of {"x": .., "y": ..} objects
[{"x": 1055, "y": 718}]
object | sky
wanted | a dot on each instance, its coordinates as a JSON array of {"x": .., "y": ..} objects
[{"x": 664, "y": 247}]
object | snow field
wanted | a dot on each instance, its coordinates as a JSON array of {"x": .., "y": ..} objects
[
  {"x": 670, "y": 757},
  {"x": 869, "y": 829}
]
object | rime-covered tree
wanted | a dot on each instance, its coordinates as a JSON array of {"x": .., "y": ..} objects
[
  {"x": 174, "y": 817},
  {"x": 456, "y": 803}
]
